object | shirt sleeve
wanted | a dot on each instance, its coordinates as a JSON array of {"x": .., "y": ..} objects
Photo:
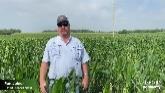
[
  {"x": 85, "y": 56},
  {"x": 46, "y": 57}
]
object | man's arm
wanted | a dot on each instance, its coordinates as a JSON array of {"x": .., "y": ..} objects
[
  {"x": 43, "y": 72},
  {"x": 85, "y": 80}
]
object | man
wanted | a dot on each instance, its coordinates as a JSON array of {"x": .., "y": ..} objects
[{"x": 63, "y": 54}]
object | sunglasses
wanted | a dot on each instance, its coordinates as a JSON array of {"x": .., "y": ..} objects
[{"x": 65, "y": 23}]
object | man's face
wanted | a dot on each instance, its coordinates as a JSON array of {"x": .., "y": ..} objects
[{"x": 64, "y": 28}]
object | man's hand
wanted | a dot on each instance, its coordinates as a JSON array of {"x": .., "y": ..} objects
[
  {"x": 85, "y": 82},
  {"x": 43, "y": 71},
  {"x": 43, "y": 86}
]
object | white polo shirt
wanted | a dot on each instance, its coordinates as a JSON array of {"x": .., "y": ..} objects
[{"x": 64, "y": 57}]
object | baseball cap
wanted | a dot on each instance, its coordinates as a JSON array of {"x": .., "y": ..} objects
[{"x": 62, "y": 18}]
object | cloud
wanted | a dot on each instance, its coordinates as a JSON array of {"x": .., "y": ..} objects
[
  {"x": 140, "y": 14},
  {"x": 38, "y": 15}
]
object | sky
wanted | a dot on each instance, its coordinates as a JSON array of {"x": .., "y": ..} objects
[{"x": 97, "y": 15}]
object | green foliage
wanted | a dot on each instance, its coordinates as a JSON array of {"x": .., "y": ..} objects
[
  {"x": 59, "y": 86},
  {"x": 9, "y": 31},
  {"x": 124, "y": 31},
  {"x": 120, "y": 64}
]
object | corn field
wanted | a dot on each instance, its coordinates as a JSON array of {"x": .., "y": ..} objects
[{"x": 127, "y": 63}]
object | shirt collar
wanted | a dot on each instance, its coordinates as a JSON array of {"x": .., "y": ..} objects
[{"x": 62, "y": 41}]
